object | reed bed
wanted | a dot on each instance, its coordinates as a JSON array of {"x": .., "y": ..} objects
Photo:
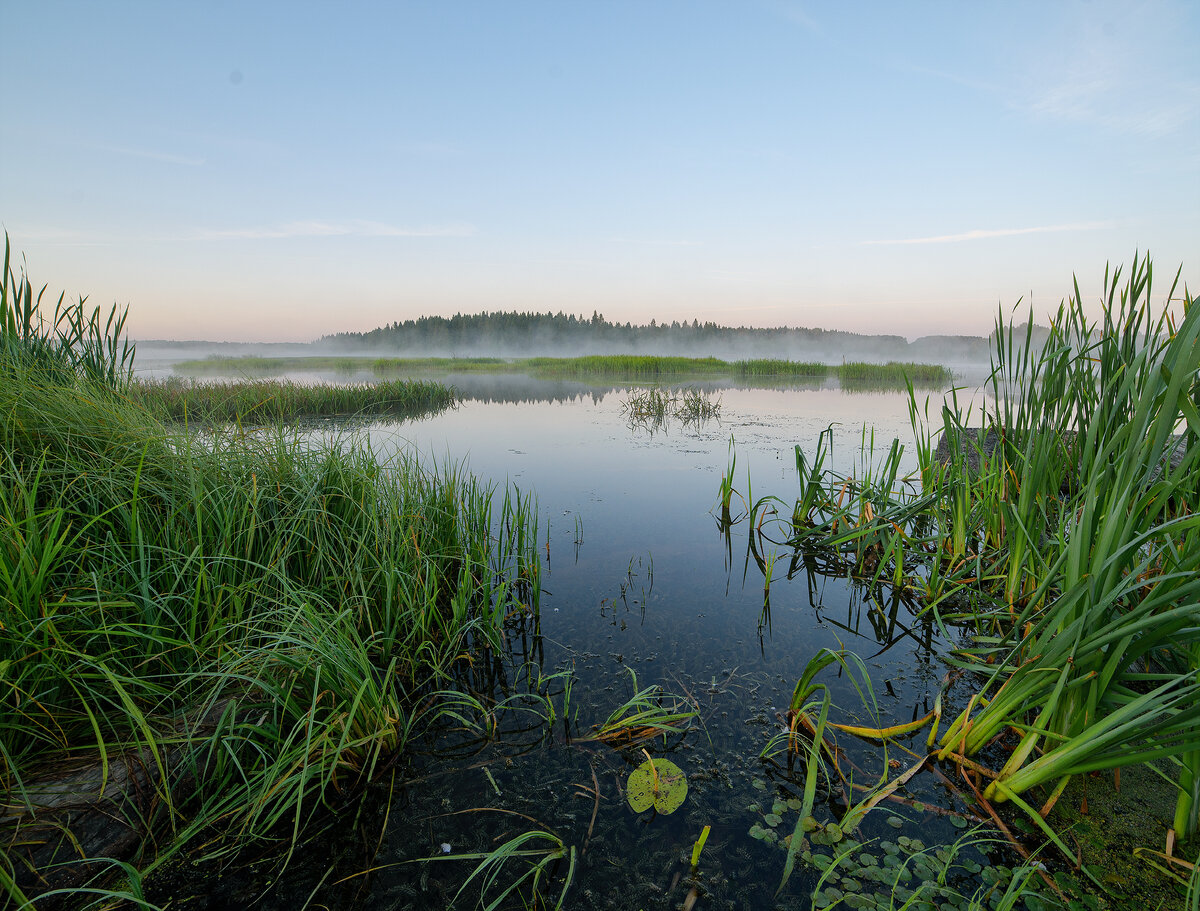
[
  {"x": 625, "y": 365},
  {"x": 1058, "y": 527},
  {"x": 772, "y": 367},
  {"x": 392, "y": 365},
  {"x": 893, "y": 373},
  {"x": 854, "y": 375},
  {"x": 218, "y": 633},
  {"x": 271, "y": 402}
]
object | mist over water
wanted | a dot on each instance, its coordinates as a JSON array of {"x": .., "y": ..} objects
[{"x": 532, "y": 335}]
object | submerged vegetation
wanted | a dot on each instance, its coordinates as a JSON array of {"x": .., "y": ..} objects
[
  {"x": 651, "y": 408},
  {"x": 1054, "y": 535}
]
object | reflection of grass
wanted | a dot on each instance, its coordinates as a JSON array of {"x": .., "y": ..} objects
[
  {"x": 654, "y": 406},
  {"x": 890, "y": 375}
]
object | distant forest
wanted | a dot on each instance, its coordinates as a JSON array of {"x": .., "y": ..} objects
[{"x": 514, "y": 334}]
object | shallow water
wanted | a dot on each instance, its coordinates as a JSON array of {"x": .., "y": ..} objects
[{"x": 638, "y": 577}]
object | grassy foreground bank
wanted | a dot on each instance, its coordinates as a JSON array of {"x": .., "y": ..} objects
[
  {"x": 613, "y": 365},
  {"x": 209, "y": 633}
]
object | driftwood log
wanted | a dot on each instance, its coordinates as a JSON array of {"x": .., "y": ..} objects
[{"x": 67, "y": 825}]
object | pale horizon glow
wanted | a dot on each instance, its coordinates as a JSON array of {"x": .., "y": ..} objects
[{"x": 279, "y": 172}]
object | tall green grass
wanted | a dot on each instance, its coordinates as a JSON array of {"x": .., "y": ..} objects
[
  {"x": 270, "y": 402},
  {"x": 631, "y": 365},
  {"x": 893, "y": 373},
  {"x": 257, "y": 624},
  {"x": 1068, "y": 544}
]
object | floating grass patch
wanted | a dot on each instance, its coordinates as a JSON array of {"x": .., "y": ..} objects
[
  {"x": 269, "y": 402},
  {"x": 626, "y": 365},
  {"x": 775, "y": 367},
  {"x": 892, "y": 374}
]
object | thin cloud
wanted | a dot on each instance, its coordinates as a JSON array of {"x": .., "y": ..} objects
[
  {"x": 797, "y": 14},
  {"x": 1100, "y": 101},
  {"x": 152, "y": 155},
  {"x": 336, "y": 229},
  {"x": 649, "y": 242},
  {"x": 1084, "y": 74},
  {"x": 986, "y": 234},
  {"x": 426, "y": 149}
]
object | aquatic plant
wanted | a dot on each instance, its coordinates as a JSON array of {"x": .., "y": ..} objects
[
  {"x": 651, "y": 408},
  {"x": 657, "y": 783},
  {"x": 541, "y": 853},
  {"x": 1062, "y": 532},
  {"x": 698, "y": 847},
  {"x": 264, "y": 402},
  {"x": 647, "y": 714},
  {"x": 859, "y": 375}
]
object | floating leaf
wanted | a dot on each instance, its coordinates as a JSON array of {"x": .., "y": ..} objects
[
  {"x": 657, "y": 783},
  {"x": 834, "y": 831},
  {"x": 772, "y": 819}
]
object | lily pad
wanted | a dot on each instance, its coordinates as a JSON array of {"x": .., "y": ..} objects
[
  {"x": 657, "y": 783},
  {"x": 772, "y": 819}
]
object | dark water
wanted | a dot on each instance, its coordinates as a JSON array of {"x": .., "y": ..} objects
[{"x": 638, "y": 578}]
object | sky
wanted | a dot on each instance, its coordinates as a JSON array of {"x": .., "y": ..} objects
[{"x": 267, "y": 171}]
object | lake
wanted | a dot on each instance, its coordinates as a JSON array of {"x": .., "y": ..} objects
[{"x": 641, "y": 586}]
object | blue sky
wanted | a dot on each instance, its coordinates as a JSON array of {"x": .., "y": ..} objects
[{"x": 277, "y": 171}]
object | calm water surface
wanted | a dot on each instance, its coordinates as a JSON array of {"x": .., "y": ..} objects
[{"x": 638, "y": 578}]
